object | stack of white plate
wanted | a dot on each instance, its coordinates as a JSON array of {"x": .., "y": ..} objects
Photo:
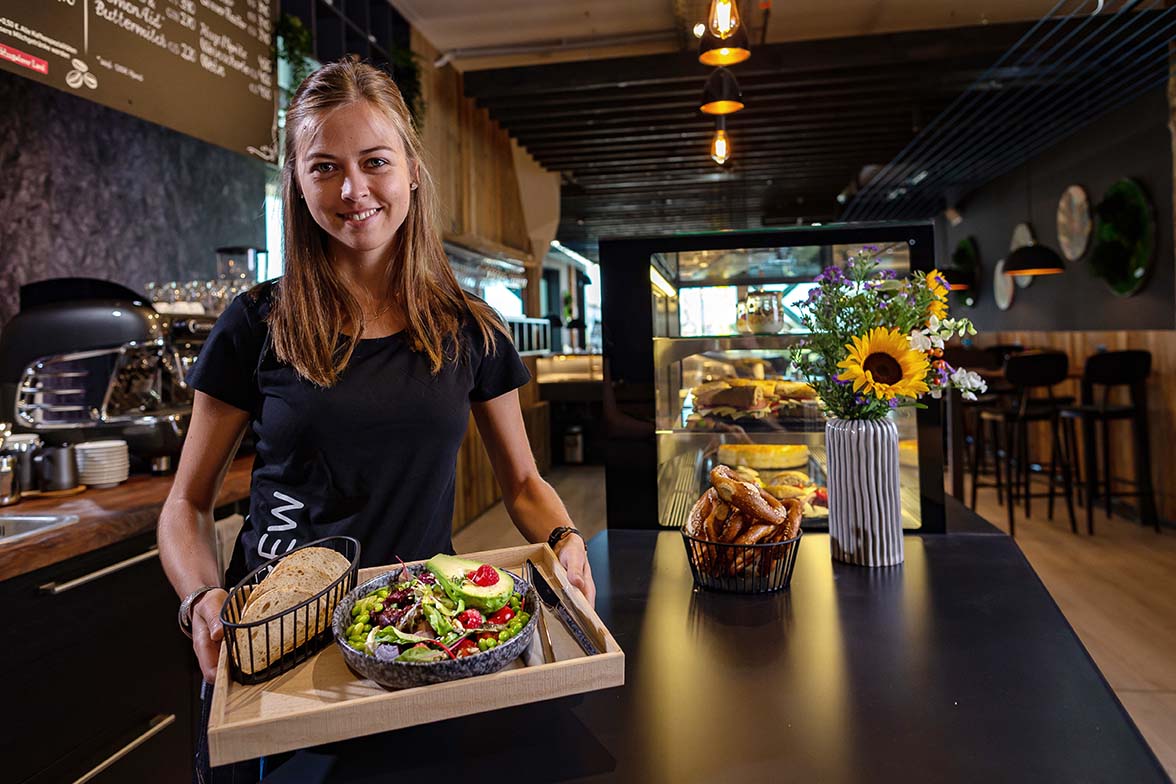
[{"x": 102, "y": 463}]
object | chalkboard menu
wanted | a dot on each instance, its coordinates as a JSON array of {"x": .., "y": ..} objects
[{"x": 201, "y": 67}]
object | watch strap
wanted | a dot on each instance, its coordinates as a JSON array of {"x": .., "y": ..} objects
[
  {"x": 559, "y": 533},
  {"x": 185, "y": 613}
]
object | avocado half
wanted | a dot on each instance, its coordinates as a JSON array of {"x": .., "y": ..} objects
[{"x": 451, "y": 572}]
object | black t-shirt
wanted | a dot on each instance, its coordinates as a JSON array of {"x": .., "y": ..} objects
[{"x": 373, "y": 457}]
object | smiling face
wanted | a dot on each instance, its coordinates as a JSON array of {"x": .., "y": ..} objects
[{"x": 357, "y": 181}]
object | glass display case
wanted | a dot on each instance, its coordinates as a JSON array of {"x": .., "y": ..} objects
[{"x": 719, "y": 386}]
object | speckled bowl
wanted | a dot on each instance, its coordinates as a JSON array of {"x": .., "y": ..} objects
[{"x": 405, "y": 675}]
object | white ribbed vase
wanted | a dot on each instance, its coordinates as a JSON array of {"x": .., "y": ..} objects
[{"x": 865, "y": 512}]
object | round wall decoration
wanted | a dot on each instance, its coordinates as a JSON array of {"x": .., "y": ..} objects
[
  {"x": 1125, "y": 238},
  {"x": 1022, "y": 235},
  {"x": 1003, "y": 287},
  {"x": 1074, "y": 222}
]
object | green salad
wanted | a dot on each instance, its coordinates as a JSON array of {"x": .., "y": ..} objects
[{"x": 455, "y": 608}]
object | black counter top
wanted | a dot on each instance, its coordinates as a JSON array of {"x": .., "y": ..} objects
[{"x": 955, "y": 667}]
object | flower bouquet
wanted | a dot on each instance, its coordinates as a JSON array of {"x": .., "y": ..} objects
[{"x": 876, "y": 344}]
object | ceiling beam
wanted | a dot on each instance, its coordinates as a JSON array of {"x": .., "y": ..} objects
[{"x": 798, "y": 57}]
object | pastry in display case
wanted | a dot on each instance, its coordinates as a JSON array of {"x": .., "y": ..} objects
[{"x": 722, "y": 331}]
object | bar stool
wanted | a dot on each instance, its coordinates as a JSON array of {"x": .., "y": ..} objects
[
  {"x": 1106, "y": 371},
  {"x": 999, "y": 395},
  {"x": 1026, "y": 372},
  {"x": 978, "y": 359}
]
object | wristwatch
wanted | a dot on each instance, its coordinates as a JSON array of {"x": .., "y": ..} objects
[
  {"x": 559, "y": 533},
  {"x": 185, "y": 615}
]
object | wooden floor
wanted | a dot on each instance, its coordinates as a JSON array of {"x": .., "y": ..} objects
[{"x": 1117, "y": 589}]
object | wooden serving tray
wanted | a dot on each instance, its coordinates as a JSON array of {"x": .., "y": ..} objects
[{"x": 322, "y": 701}]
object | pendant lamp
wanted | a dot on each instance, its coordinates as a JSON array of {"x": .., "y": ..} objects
[
  {"x": 958, "y": 280},
  {"x": 725, "y": 40},
  {"x": 721, "y": 95},
  {"x": 1032, "y": 260}
]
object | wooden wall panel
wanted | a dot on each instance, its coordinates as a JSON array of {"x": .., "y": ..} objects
[
  {"x": 472, "y": 164},
  {"x": 471, "y": 160},
  {"x": 1161, "y": 398}
]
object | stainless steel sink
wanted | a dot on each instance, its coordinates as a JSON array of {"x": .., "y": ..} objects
[{"x": 14, "y": 525}]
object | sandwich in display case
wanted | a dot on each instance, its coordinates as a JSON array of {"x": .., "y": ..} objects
[{"x": 699, "y": 332}]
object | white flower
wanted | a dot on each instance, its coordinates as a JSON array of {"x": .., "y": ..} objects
[
  {"x": 933, "y": 324},
  {"x": 920, "y": 341},
  {"x": 968, "y": 382}
]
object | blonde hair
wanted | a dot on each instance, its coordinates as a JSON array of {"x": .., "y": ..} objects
[{"x": 312, "y": 305}]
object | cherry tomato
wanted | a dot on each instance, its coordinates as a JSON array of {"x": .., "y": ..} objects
[
  {"x": 502, "y": 617},
  {"x": 484, "y": 576},
  {"x": 822, "y": 497},
  {"x": 471, "y": 618},
  {"x": 465, "y": 647}
]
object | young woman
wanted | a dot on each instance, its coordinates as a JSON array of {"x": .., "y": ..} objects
[{"x": 358, "y": 370}]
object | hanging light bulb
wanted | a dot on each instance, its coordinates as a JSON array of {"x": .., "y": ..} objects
[
  {"x": 724, "y": 42},
  {"x": 723, "y": 18},
  {"x": 720, "y": 143}
]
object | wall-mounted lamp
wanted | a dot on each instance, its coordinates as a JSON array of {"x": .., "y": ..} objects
[
  {"x": 720, "y": 143},
  {"x": 721, "y": 95}
]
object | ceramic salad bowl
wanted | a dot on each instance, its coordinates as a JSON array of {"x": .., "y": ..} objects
[{"x": 407, "y": 674}]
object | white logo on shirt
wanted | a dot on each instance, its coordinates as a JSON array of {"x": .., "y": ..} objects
[{"x": 292, "y": 505}]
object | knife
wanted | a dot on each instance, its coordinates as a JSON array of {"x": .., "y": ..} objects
[{"x": 551, "y": 600}]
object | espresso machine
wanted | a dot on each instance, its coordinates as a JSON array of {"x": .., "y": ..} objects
[{"x": 87, "y": 359}]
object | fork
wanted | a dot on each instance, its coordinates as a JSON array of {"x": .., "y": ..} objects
[{"x": 544, "y": 639}]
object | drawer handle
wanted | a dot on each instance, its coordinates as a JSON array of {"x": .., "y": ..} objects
[
  {"x": 158, "y": 725},
  {"x": 56, "y": 588}
]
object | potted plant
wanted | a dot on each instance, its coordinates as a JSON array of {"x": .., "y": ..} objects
[{"x": 876, "y": 345}]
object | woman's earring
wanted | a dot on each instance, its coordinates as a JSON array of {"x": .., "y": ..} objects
[{"x": 412, "y": 187}]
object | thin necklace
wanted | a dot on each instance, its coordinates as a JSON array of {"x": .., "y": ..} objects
[{"x": 382, "y": 311}]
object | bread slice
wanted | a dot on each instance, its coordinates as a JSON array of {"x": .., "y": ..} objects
[{"x": 764, "y": 456}]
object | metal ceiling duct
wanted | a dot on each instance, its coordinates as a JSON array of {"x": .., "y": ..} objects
[{"x": 1083, "y": 59}]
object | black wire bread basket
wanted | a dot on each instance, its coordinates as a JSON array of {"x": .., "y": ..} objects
[{"x": 263, "y": 645}]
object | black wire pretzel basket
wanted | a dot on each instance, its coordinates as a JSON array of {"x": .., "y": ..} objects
[
  {"x": 264, "y": 648},
  {"x": 763, "y": 567}
]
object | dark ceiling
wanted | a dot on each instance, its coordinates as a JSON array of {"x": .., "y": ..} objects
[{"x": 633, "y": 149}]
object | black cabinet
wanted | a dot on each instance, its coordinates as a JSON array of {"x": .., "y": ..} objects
[{"x": 96, "y": 672}]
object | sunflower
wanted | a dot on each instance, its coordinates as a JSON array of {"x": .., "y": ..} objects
[
  {"x": 884, "y": 365},
  {"x": 937, "y": 285}
]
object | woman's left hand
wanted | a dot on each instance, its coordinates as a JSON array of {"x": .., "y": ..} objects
[{"x": 574, "y": 558}]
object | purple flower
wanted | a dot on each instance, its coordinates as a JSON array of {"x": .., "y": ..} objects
[
  {"x": 889, "y": 274},
  {"x": 892, "y": 402},
  {"x": 837, "y": 380},
  {"x": 830, "y": 275}
]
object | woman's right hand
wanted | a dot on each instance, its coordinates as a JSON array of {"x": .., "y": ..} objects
[{"x": 207, "y": 633}]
